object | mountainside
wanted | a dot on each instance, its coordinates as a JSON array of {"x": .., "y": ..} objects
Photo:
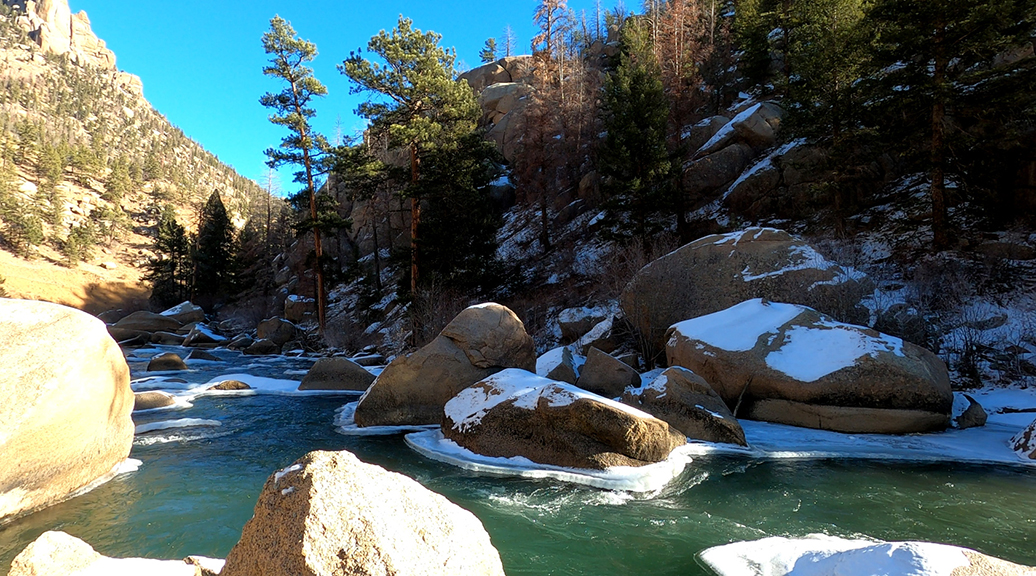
[{"x": 85, "y": 158}]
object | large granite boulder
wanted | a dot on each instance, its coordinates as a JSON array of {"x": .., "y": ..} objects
[
  {"x": 185, "y": 313},
  {"x": 516, "y": 413},
  {"x": 687, "y": 402},
  {"x": 144, "y": 321},
  {"x": 55, "y": 553},
  {"x": 792, "y": 365},
  {"x": 412, "y": 390},
  {"x": 277, "y": 330},
  {"x": 755, "y": 126},
  {"x": 336, "y": 374},
  {"x": 605, "y": 375},
  {"x": 329, "y": 513},
  {"x": 716, "y": 272},
  {"x": 65, "y": 404}
]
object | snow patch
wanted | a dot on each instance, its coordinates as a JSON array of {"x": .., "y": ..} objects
[
  {"x": 180, "y": 423},
  {"x": 738, "y": 328},
  {"x": 808, "y": 353},
  {"x": 285, "y": 471}
]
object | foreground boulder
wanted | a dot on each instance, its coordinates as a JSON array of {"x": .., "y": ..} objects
[
  {"x": 56, "y": 553},
  {"x": 516, "y": 413},
  {"x": 792, "y": 365},
  {"x": 412, "y": 390},
  {"x": 336, "y": 374},
  {"x": 822, "y": 554},
  {"x": 687, "y": 402},
  {"x": 65, "y": 403},
  {"x": 716, "y": 272},
  {"x": 329, "y": 513}
]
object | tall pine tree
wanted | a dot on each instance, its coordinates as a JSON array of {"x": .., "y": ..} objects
[
  {"x": 170, "y": 272},
  {"x": 214, "y": 252}
]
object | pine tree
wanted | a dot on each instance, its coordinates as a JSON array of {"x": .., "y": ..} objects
[
  {"x": 422, "y": 103},
  {"x": 213, "y": 254},
  {"x": 302, "y": 147},
  {"x": 633, "y": 160},
  {"x": 488, "y": 52},
  {"x": 170, "y": 272}
]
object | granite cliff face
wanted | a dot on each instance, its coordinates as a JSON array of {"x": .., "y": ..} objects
[{"x": 56, "y": 29}]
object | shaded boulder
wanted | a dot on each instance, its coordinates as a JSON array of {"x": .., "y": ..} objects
[
  {"x": 230, "y": 385},
  {"x": 687, "y": 402},
  {"x": 65, "y": 404},
  {"x": 516, "y": 413},
  {"x": 241, "y": 342},
  {"x": 203, "y": 336},
  {"x": 604, "y": 375},
  {"x": 755, "y": 126},
  {"x": 967, "y": 412},
  {"x": 144, "y": 321},
  {"x": 166, "y": 361},
  {"x": 185, "y": 313},
  {"x": 1024, "y": 442},
  {"x": 329, "y": 513},
  {"x": 714, "y": 171},
  {"x": 789, "y": 364},
  {"x": 602, "y": 336},
  {"x": 412, "y": 390},
  {"x": 166, "y": 338},
  {"x": 575, "y": 322},
  {"x": 695, "y": 136},
  {"x": 126, "y": 335},
  {"x": 262, "y": 347},
  {"x": 560, "y": 364},
  {"x": 60, "y": 553},
  {"x": 277, "y": 330},
  {"x": 151, "y": 400},
  {"x": 716, "y": 272},
  {"x": 202, "y": 355},
  {"x": 336, "y": 374},
  {"x": 297, "y": 308}
]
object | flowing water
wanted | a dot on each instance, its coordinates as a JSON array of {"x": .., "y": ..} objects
[{"x": 197, "y": 486}]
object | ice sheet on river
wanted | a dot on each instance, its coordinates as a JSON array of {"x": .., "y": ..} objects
[{"x": 650, "y": 478}]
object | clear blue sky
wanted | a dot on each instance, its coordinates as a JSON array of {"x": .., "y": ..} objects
[{"x": 201, "y": 62}]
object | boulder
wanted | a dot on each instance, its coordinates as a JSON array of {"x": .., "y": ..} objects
[
  {"x": 145, "y": 321},
  {"x": 561, "y": 365},
  {"x": 297, "y": 308},
  {"x": 124, "y": 335},
  {"x": 60, "y": 553},
  {"x": 185, "y": 313},
  {"x": 710, "y": 173},
  {"x": 575, "y": 322},
  {"x": 241, "y": 342},
  {"x": 516, "y": 413},
  {"x": 792, "y": 365},
  {"x": 369, "y": 360},
  {"x": 336, "y": 374},
  {"x": 166, "y": 361},
  {"x": 202, "y": 355},
  {"x": 687, "y": 402},
  {"x": 755, "y": 126},
  {"x": 605, "y": 375},
  {"x": 329, "y": 513},
  {"x": 65, "y": 404},
  {"x": 230, "y": 385},
  {"x": 166, "y": 338},
  {"x": 1024, "y": 442},
  {"x": 111, "y": 316},
  {"x": 151, "y": 400},
  {"x": 694, "y": 137},
  {"x": 719, "y": 271},
  {"x": 203, "y": 336},
  {"x": 967, "y": 412},
  {"x": 262, "y": 348},
  {"x": 602, "y": 336},
  {"x": 501, "y": 98},
  {"x": 412, "y": 390},
  {"x": 486, "y": 75},
  {"x": 277, "y": 330}
]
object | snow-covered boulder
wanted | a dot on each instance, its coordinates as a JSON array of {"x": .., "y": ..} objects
[
  {"x": 716, "y": 272},
  {"x": 516, "y": 413},
  {"x": 203, "y": 336},
  {"x": 412, "y": 390},
  {"x": 1024, "y": 442},
  {"x": 756, "y": 126},
  {"x": 60, "y": 553},
  {"x": 602, "y": 336},
  {"x": 560, "y": 364},
  {"x": 65, "y": 403},
  {"x": 336, "y": 374},
  {"x": 185, "y": 313},
  {"x": 967, "y": 412},
  {"x": 819, "y": 554},
  {"x": 166, "y": 361},
  {"x": 789, "y": 364},
  {"x": 687, "y": 402},
  {"x": 329, "y": 513},
  {"x": 575, "y": 322},
  {"x": 277, "y": 330},
  {"x": 605, "y": 375}
]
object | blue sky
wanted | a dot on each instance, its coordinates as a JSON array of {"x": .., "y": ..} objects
[{"x": 201, "y": 62}]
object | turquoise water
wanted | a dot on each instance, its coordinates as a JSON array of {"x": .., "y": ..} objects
[{"x": 196, "y": 489}]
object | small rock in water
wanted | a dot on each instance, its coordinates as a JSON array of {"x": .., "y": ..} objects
[
  {"x": 230, "y": 385},
  {"x": 151, "y": 400},
  {"x": 167, "y": 361},
  {"x": 202, "y": 355}
]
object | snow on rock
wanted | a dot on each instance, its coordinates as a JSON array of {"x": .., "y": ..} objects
[
  {"x": 821, "y": 555},
  {"x": 60, "y": 553},
  {"x": 790, "y": 364},
  {"x": 1024, "y": 442}
]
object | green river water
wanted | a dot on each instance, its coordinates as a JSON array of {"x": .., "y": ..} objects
[{"x": 197, "y": 486}]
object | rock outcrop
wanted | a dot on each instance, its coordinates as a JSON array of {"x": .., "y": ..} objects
[
  {"x": 412, "y": 390},
  {"x": 516, "y": 413},
  {"x": 336, "y": 374},
  {"x": 276, "y": 330},
  {"x": 792, "y": 365},
  {"x": 53, "y": 26},
  {"x": 329, "y": 513},
  {"x": 65, "y": 404},
  {"x": 1024, "y": 442},
  {"x": 185, "y": 313},
  {"x": 687, "y": 402},
  {"x": 719, "y": 271},
  {"x": 60, "y": 553}
]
